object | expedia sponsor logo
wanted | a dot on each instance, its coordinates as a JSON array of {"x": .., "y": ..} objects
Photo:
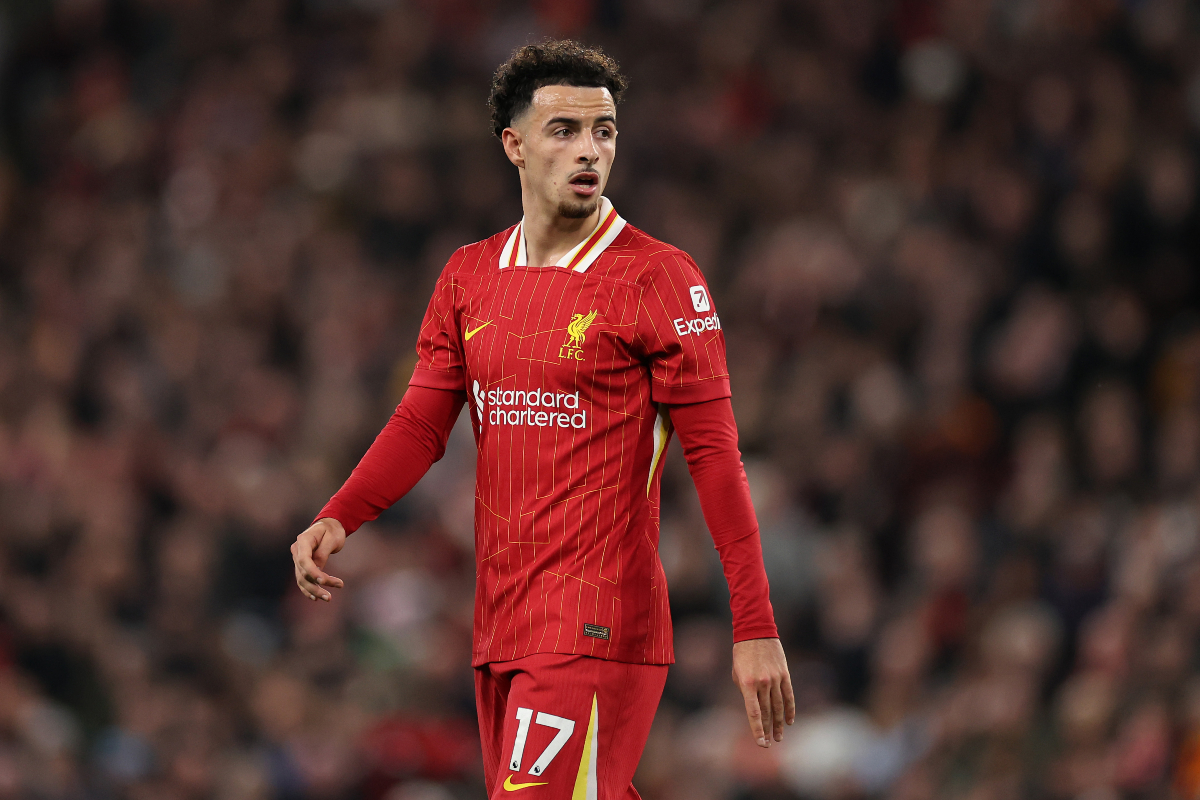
[
  {"x": 686, "y": 327},
  {"x": 536, "y": 407}
]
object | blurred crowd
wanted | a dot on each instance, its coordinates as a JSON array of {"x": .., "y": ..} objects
[{"x": 954, "y": 244}]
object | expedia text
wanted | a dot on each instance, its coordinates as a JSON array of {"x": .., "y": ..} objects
[{"x": 685, "y": 327}]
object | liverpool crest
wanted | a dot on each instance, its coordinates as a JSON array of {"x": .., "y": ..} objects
[{"x": 576, "y": 334}]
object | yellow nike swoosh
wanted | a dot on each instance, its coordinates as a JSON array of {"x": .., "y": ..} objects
[
  {"x": 467, "y": 336},
  {"x": 509, "y": 786}
]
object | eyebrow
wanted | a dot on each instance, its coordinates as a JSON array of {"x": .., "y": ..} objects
[{"x": 575, "y": 120}]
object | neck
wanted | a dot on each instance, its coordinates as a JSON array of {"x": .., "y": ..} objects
[{"x": 548, "y": 235}]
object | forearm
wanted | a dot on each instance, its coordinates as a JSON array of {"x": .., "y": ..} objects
[
  {"x": 413, "y": 439},
  {"x": 708, "y": 434}
]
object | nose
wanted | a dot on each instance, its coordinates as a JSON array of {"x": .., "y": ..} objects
[{"x": 588, "y": 153}]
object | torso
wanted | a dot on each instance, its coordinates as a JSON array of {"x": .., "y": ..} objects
[{"x": 555, "y": 364}]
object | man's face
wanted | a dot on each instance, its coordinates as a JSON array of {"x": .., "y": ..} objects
[{"x": 566, "y": 142}]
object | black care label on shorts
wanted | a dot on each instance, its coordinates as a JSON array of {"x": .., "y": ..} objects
[{"x": 596, "y": 631}]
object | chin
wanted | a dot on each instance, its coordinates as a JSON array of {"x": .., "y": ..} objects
[{"x": 576, "y": 209}]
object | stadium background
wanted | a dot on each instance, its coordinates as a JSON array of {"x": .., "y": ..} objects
[{"x": 954, "y": 247}]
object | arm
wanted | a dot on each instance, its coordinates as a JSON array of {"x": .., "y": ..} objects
[
  {"x": 708, "y": 434},
  {"x": 678, "y": 327},
  {"x": 413, "y": 439}
]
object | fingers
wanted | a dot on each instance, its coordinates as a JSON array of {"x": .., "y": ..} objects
[
  {"x": 764, "y": 706},
  {"x": 307, "y": 588},
  {"x": 309, "y": 577},
  {"x": 754, "y": 713},
  {"x": 789, "y": 700},
  {"x": 760, "y": 672},
  {"x": 776, "y": 694},
  {"x": 329, "y": 545},
  {"x": 306, "y": 579}
]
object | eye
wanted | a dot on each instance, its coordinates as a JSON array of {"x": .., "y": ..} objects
[{"x": 562, "y": 133}]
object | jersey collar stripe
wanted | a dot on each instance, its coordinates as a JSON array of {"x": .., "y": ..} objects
[
  {"x": 520, "y": 254},
  {"x": 572, "y": 257},
  {"x": 508, "y": 255},
  {"x": 614, "y": 230},
  {"x": 593, "y": 240},
  {"x": 578, "y": 259}
]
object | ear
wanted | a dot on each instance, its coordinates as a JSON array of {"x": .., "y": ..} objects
[{"x": 514, "y": 146}]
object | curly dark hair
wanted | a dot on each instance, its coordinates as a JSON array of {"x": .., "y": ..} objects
[{"x": 561, "y": 62}]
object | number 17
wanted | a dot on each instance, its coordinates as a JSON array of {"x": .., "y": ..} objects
[{"x": 564, "y": 726}]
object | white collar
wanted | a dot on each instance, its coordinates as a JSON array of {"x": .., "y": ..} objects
[{"x": 582, "y": 256}]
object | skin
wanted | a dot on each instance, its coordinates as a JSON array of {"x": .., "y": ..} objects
[
  {"x": 310, "y": 553},
  {"x": 568, "y": 131}
]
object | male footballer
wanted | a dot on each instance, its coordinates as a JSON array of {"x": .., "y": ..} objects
[{"x": 578, "y": 344}]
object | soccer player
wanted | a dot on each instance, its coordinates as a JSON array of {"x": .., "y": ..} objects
[{"x": 578, "y": 344}]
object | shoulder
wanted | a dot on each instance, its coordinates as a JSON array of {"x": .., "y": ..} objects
[
  {"x": 644, "y": 258},
  {"x": 478, "y": 257}
]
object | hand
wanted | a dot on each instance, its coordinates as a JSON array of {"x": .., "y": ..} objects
[
  {"x": 760, "y": 672},
  {"x": 311, "y": 550}
]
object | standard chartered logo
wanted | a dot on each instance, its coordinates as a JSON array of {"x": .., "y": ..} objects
[{"x": 537, "y": 407}]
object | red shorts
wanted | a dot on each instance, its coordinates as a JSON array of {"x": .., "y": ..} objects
[{"x": 564, "y": 727}]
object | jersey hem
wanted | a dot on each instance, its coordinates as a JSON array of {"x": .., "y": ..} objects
[{"x": 479, "y": 659}]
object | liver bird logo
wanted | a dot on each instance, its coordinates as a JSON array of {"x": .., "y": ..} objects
[{"x": 577, "y": 327}]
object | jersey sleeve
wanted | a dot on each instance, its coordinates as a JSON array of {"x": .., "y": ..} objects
[
  {"x": 413, "y": 439},
  {"x": 709, "y": 437},
  {"x": 439, "y": 343},
  {"x": 680, "y": 333}
]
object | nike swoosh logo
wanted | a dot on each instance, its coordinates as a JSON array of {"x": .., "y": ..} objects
[
  {"x": 509, "y": 786},
  {"x": 467, "y": 336}
]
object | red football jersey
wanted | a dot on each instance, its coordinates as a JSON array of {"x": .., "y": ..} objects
[{"x": 565, "y": 368}]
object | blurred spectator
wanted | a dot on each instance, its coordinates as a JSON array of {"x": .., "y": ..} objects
[{"x": 954, "y": 246}]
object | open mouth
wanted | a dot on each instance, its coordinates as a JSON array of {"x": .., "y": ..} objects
[{"x": 585, "y": 183}]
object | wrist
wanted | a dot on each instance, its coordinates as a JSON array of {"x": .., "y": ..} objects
[
  {"x": 752, "y": 632},
  {"x": 332, "y": 524}
]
